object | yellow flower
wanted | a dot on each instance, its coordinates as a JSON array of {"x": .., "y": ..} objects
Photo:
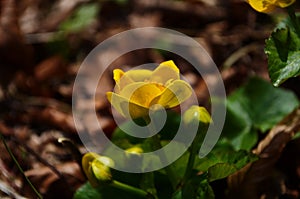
[
  {"x": 138, "y": 90},
  {"x": 269, "y": 5}
]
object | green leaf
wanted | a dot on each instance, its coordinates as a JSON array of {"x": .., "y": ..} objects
[
  {"x": 205, "y": 163},
  {"x": 86, "y": 191},
  {"x": 238, "y": 124},
  {"x": 237, "y": 158},
  {"x": 197, "y": 188},
  {"x": 256, "y": 106},
  {"x": 177, "y": 195},
  {"x": 222, "y": 163},
  {"x": 248, "y": 140},
  {"x": 228, "y": 163},
  {"x": 283, "y": 50},
  {"x": 220, "y": 156},
  {"x": 221, "y": 170},
  {"x": 265, "y": 104},
  {"x": 81, "y": 18}
]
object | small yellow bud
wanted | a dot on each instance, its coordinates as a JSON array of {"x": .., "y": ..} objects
[
  {"x": 97, "y": 168},
  {"x": 196, "y": 114},
  {"x": 134, "y": 150}
]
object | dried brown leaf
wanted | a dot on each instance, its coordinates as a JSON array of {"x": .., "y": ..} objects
[
  {"x": 256, "y": 178},
  {"x": 51, "y": 67},
  {"x": 46, "y": 179},
  {"x": 53, "y": 117}
]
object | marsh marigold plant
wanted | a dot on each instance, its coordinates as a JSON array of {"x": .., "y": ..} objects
[
  {"x": 269, "y": 5},
  {"x": 137, "y": 91}
]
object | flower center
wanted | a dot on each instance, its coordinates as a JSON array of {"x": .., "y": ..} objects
[{"x": 159, "y": 86}]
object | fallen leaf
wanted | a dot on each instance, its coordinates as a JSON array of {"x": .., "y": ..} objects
[{"x": 250, "y": 182}]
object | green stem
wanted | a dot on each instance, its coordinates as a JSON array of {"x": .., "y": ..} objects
[
  {"x": 169, "y": 169},
  {"x": 194, "y": 151},
  {"x": 294, "y": 19},
  {"x": 191, "y": 161},
  {"x": 156, "y": 145},
  {"x": 130, "y": 189},
  {"x": 147, "y": 184},
  {"x": 20, "y": 168}
]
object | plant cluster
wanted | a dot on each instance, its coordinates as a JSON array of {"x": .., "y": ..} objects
[{"x": 252, "y": 110}]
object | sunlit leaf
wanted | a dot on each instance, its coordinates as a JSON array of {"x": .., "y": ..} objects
[{"x": 283, "y": 50}]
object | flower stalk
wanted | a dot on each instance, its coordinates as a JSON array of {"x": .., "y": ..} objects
[
  {"x": 199, "y": 116},
  {"x": 193, "y": 153},
  {"x": 156, "y": 145},
  {"x": 130, "y": 189},
  {"x": 148, "y": 184}
]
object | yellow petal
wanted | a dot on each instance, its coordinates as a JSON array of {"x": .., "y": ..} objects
[
  {"x": 263, "y": 5},
  {"x": 141, "y": 93},
  {"x": 121, "y": 79},
  {"x": 118, "y": 73},
  {"x": 139, "y": 75},
  {"x": 126, "y": 108},
  {"x": 284, "y": 3},
  {"x": 124, "y": 78},
  {"x": 115, "y": 101},
  {"x": 170, "y": 64},
  {"x": 164, "y": 72},
  {"x": 86, "y": 162},
  {"x": 176, "y": 92}
]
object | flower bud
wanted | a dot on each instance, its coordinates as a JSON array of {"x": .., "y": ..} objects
[
  {"x": 196, "y": 114},
  {"x": 97, "y": 168},
  {"x": 134, "y": 150}
]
